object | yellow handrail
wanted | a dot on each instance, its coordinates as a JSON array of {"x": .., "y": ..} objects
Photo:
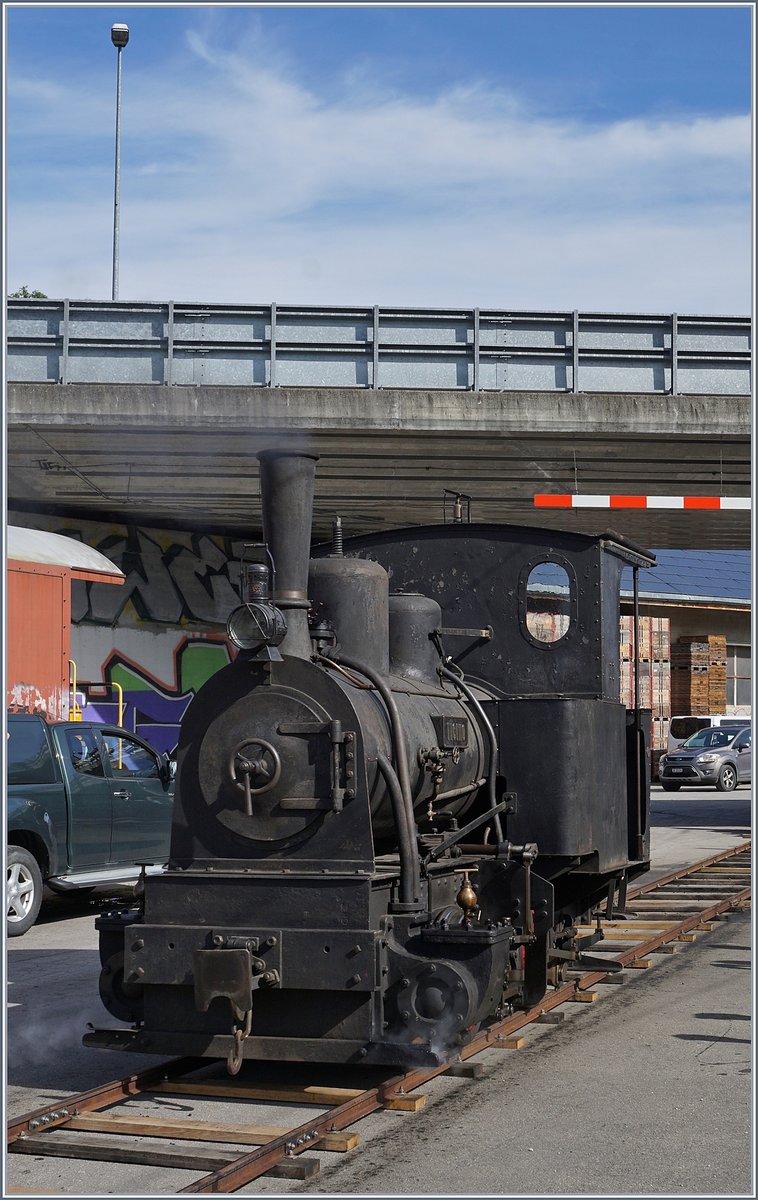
[
  {"x": 120, "y": 691},
  {"x": 75, "y": 713}
]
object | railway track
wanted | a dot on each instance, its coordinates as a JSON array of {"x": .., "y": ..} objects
[{"x": 659, "y": 917}]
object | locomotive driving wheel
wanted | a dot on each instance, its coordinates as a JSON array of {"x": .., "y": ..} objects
[
  {"x": 535, "y": 970},
  {"x": 122, "y": 997}
]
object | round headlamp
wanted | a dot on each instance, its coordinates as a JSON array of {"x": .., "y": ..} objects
[{"x": 256, "y": 624}]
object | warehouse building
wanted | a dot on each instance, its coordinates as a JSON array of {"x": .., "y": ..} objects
[{"x": 695, "y": 637}]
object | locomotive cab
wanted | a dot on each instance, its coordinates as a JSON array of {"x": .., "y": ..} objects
[{"x": 395, "y": 804}]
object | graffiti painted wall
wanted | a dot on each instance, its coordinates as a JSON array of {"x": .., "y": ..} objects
[{"x": 160, "y": 635}]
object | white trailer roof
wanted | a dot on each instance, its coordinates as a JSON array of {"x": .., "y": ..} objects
[{"x": 54, "y": 549}]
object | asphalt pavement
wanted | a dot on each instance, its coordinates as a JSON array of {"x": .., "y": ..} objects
[{"x": 645, "y": 1093}]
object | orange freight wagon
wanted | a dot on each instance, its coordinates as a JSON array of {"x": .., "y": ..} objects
[{"x": 41, "y": 567}]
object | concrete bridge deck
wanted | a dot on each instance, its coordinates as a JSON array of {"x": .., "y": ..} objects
[
  {"x": 187, "y": 456},
  {"x": 117, "y": 440}
]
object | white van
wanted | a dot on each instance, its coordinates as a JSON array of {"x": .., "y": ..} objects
[{"x": 680, "y": 728}]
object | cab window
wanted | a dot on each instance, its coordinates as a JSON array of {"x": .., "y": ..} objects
[
  {"x": 130, "y": 758},
  {"x": 83, "y": 752},
  {"x": 548, "y": 608},
  {"x": 745, "y": 739}
]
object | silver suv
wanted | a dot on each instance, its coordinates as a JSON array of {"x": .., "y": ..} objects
[{"x": 720, "y": 756}]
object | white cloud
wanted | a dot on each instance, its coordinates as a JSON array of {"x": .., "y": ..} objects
[{"x": 241, "y": 185}]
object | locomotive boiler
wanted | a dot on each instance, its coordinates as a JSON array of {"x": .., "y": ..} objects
[{"x": 394, "y": 806}]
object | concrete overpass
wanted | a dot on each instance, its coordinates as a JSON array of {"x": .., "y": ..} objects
[{"x": 154, "y": 414}]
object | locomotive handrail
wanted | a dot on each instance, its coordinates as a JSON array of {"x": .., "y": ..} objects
[
  {"x": 403, "y": 771},
  {"x": 492, "y": 774},
  {"x": 454, "y": 838},
  {"x": 401, "y": 753},
  {"x": 408, "y": 892}
]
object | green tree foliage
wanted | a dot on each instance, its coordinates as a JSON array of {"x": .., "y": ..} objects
[{"x": 23, "y": 293}]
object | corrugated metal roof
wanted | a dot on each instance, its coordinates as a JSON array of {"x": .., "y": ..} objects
[
  {"x": 55, "y": 550},
  {"x": 697, "y": 576}
]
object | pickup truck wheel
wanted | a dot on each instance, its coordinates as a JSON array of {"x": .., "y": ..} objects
[{"x": 23, "y": 891}]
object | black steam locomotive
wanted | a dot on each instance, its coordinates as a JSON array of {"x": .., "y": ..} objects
[{"x": 393, "y": 807}]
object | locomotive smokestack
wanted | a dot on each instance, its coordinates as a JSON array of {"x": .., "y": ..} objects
[{"x": 287, "y": 482}]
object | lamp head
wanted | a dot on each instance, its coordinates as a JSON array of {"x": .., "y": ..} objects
[{"x": 119, "y": 35}]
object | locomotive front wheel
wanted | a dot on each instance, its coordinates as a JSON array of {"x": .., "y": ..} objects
[{"x": 121, "y": 997}]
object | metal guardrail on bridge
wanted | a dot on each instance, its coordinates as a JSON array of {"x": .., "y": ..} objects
[{"x": 84, "y": 341}]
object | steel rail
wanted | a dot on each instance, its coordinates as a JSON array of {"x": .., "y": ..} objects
[
  {"x": 53, "y": 1116},
  {"x": 683, "y": 872},
  {"x": 668, "y": 935},
  {"x": 245, "y": 1167}
]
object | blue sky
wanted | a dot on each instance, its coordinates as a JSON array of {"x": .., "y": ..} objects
[{"x": 555, "y": 157}]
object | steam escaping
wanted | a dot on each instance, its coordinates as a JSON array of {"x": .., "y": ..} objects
[{"x": 34, "y": 1042}]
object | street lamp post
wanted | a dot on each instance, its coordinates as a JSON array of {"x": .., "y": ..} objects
[{"x": 119, "y": 37}]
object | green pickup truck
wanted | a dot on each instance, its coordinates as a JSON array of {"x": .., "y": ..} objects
[{"x": 86, "y": 805}]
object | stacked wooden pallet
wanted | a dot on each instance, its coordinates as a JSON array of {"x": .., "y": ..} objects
[
  {"x": 654, "y": 672},
  {"x": 717, "y": 674},
  {"x": 654, "y": 639},
  {"x": 698, "y": 675},
  {"x": 547, "y": 626}
]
